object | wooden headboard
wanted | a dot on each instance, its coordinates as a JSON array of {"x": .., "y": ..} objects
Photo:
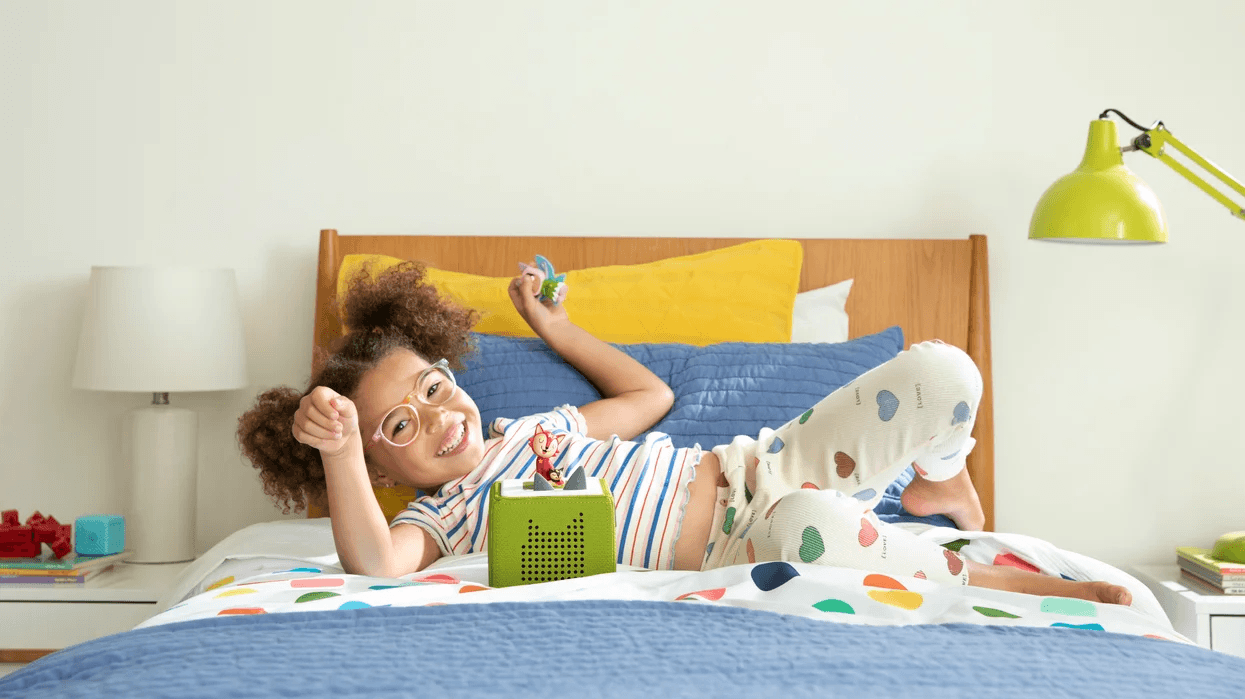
[{"x": 933, "y": 289}]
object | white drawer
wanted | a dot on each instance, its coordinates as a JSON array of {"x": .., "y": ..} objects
[
  {"x": 56, "y": 625},
  {"x": 1227, "y": 634}
]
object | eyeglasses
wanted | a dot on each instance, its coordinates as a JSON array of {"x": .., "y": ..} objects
[{"x": 401, "y": 423}]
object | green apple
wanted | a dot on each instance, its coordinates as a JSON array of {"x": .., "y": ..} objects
[{"x": 1230, "y": 547}]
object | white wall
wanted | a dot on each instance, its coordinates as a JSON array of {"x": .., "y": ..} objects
[{"x": 230, "y": 132}]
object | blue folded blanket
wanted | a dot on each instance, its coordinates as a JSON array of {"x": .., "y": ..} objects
[{"x": 614, "y": 648}]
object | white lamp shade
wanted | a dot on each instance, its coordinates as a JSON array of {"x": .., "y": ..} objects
[{"x": 161, "y": 330}]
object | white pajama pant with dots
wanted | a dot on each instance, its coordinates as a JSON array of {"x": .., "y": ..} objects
[{"x": 806, "y": 491}]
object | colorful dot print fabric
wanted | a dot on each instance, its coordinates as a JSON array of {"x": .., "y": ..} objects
[{"x": 826, "y": 593}]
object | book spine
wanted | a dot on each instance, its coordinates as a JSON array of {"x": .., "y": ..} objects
[
  {"x": 21, "y": 564},
  {"x": 34, "y": 572},
  {"x": 42, "y": 579},
  {"x": 72, "y": 564},
  {"x": 1202, "y": 559},
  {"x": 1208, "y": 565},
  {"x": 1202, "y": 582},
  {"x": 27, "y": 578},
  {"x": 1214, "y": 576}
]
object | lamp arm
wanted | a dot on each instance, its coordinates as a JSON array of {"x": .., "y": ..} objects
[{"x": 1157, "y": 137}]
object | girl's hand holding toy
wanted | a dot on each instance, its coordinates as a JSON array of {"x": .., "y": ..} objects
[
  {"x": 326, "y": 420},
  {"x": 552, "y": 286},
  {"x": 537, "y": 295}
]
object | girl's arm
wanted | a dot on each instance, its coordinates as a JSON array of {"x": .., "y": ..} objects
[
  {"x": 364, "y": 541},
  {"x": 634, "y": 397}
]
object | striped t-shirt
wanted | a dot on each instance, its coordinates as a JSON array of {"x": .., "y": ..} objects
[{"x": 649, "y": 481}]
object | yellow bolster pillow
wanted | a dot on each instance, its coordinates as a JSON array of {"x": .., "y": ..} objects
[{"x": 741, "y": 293}]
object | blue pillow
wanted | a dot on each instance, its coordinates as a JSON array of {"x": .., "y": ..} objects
[{"x": 720, "y": 390}]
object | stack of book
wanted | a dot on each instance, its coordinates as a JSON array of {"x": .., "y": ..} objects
[
  {"x": 1197, "y": 567},
  {"x": 49, "y": 570}
]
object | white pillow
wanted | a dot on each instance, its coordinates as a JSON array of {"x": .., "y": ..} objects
[
  {"x": 820, "y": 315},
  {"x": 309, "y": 541}
]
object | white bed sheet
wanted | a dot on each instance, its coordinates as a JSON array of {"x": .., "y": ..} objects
[{"x": 273, "y": 551}]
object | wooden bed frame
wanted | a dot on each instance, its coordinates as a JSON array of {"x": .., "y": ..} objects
[{"x": 932, "y": 288}]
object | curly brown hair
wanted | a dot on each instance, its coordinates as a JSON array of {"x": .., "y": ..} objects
[{"x": 399, "y": 309}]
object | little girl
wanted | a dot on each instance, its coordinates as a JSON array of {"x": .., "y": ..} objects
[{"x": 384, "y": 409}]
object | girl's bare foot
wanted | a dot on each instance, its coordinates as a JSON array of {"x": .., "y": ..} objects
[
  {"x": 1017, "y": 580},
  {"x": 1110, "y": 594},
  {"x": 955, "y": 497}
]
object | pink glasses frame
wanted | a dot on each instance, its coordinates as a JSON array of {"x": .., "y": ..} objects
[{"x": 441, "y": 365}]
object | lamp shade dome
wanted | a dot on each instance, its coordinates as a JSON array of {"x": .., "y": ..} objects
[{"x": 1101, "y": 201}]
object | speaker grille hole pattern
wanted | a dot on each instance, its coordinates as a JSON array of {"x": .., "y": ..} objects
[{"x": 552, "y": 554}]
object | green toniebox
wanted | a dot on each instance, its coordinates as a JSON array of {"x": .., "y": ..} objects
[{"x": 542, "y": 535}]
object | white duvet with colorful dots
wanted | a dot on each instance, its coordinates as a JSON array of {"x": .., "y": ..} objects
[{"x": 836, "y": 595}]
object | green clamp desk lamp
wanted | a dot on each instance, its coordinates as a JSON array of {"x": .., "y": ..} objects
[{"x": 1103, "y": 202}]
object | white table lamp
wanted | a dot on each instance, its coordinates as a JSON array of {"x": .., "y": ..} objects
[{"x": 159, "y": 330}]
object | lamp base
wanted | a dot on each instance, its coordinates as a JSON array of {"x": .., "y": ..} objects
[{"x": 164, "y": 467}]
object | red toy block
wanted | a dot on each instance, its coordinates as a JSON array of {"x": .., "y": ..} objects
[
  {"x": 17, "y": 541},
  {"x": 62, "y": 544},
  {"x": 45, "y": 529},
  {"x": 25, "y": 549},
  {"x": 16, "y": 535}
]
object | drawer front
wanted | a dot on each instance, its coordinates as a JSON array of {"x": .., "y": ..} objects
[
  {"x": 56, "y": 625},
  {"x": 1227, "y": 634}
]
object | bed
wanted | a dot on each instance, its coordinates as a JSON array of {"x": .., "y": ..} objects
[{"x": 269, "y": 611}]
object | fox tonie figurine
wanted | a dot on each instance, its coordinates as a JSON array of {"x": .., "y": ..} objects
[{"x": 546, "y": 446}]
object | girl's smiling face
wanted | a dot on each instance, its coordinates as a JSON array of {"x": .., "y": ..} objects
[{"x": 422, "y": 463}]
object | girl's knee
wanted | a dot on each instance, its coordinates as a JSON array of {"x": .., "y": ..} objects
[
  {"x": 946, "y": 365},
  {"x": 820, "y": 519}
]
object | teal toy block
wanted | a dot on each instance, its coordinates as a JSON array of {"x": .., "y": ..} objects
[{"x": 99, "y": 535}]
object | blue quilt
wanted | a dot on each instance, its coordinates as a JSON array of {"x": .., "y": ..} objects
[
  {"x": 720, "y": 390},
  {"x": 613, "y": 648}
]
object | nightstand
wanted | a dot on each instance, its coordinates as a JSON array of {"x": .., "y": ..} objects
[
  {"x": 1211, "y": 620},
  {"x": 39, "y": 619}
]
